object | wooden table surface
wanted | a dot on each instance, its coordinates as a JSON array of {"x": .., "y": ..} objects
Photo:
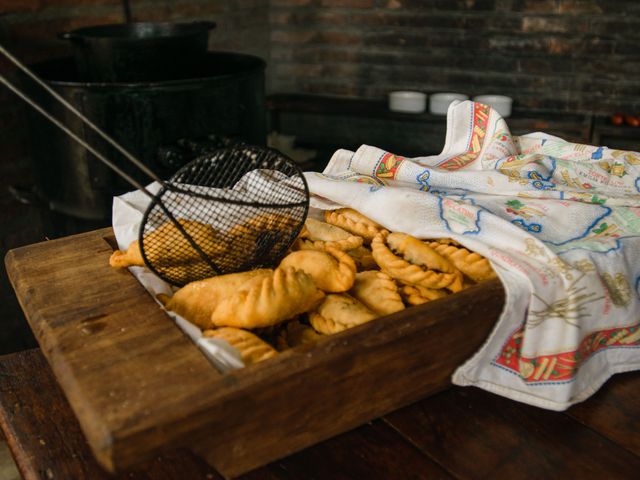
[{"x": 458, "y": 433}]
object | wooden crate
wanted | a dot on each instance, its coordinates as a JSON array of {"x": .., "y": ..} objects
[{"x": 139, "y": 386}]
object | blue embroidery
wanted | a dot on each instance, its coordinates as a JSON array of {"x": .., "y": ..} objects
[
  {"x": 638, "y": 286},
  {"x": 588, "y": 229},
  {"x": 530, "y": 227},
  {"x": 477, "y": 230},
  {"x": 423, "y": 180},
  {"x": 638, "y": 183},
  {"x": 618, "y": 246},
  {"x": 539, "y": 180},
  {"x": 597, "y": 155},
  {"x": 540, "y": 184}
]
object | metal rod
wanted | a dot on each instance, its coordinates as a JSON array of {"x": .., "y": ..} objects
[
  {"x": 88, "y": 122},
  {"x": 127, "y": 11},
  {"x": 61, "y": 126}
]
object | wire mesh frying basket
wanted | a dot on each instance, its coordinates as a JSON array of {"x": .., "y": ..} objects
[{"x": 236, "y": 209}]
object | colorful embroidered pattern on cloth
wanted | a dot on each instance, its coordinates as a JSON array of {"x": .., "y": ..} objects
[{"x": 560, "y": 223}]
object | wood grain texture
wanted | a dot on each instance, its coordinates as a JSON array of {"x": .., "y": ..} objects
[
  {"x": 126, "y": 368},
  {"x": 45, "y": 437},
  {"x": 614, "y": 411},
  {"x": 370, "y": 452},
  {"x": 48, "y": 443},
  {"x": 474, "y": 434},
  {"x": 138, "y": 385}
]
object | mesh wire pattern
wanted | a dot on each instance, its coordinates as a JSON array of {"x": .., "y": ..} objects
[{"x": 232, "y": 210}]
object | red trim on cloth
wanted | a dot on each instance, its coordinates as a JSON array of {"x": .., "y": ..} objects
[
  {"x": 476, "y": 142},
  {"x": 562, "y": 367},
  {"x": 388, "y": 166}
]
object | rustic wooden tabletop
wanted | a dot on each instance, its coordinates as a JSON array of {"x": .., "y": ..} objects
[{"x": 458, "y": 433}]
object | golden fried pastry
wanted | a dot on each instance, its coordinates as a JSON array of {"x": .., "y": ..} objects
[
  {"x": 331, "y": 270},
  {"x": 296, "y": 333},
  {"x": 167, "y": 246},
  {"x": 127, "y": 258},
  {"x": 416, "y": 263},
  {"x": 318, "y": 235},
  {"x": 354, "y": 222},
  {"x": 248, "y": 242},
  {"x": 197, "y": 300},
  {"x": 268, "y": 300},
  {"x": 446, "y": 241},
  {"x": 472, "y": 264},
  {"x": 417, "y": 295},
  {"x": 378, "y": 292},
  {"x": 348, "y": 244},
  {"x": 338, "y": 312},
  {"x": 363, "y": 258},
  {"x": 252, "y": 349}
]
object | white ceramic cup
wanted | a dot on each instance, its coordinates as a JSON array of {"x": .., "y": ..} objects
[
  {"x": 407, "y": 101},
  {"x": 500, "y": 103},
  {"x": 439, "y": 102}
]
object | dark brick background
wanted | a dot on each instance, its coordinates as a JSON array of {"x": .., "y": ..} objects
[{"x": 550, "y": 55}]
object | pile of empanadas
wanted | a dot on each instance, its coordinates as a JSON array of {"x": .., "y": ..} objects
[{"x": 340, "y": 272}]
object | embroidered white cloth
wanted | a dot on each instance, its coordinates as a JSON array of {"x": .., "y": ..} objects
[{"x": 559, "y": 221}]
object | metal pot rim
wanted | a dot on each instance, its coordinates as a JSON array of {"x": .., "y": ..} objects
[
  {"x": 125, "y": 32},
  {"x": 254, "y": 64}
]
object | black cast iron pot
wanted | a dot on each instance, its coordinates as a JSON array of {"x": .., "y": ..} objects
[
  {"x": 139, "y": 52},
  {"x": 161, "y": 123}
]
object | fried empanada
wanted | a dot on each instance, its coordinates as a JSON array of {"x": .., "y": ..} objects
[
  {"x": 416, "y": 264},
  {"x": 378, "y": 292},
  {"x": 331, "y": 270},
  {"x": 338, "y": 312},
  {"x": 127, "y": 258},
  {"x": 268, "y": 300},
  {"x": 471, "y": 264},
  {"x": 348, "y": 244},
  {"x": 252, "y": 349},
  {"x": 296, "y": 333},
  {"x": 363, "y": 258},
  {"x": 417, "y": 295},
  {"x": 317, "y": 235},
  {"x": 249, "y": 242},
  {"x": 197, "y": 300},
  {"x": 166, "y": 246},
  {"x": 446, "y": 241},
  {"x": 352, "y": 221}
]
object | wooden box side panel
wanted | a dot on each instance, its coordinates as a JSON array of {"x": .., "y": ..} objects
[
  {"x": 351, "y": 379},
  {"x": 123, "y": 364}
]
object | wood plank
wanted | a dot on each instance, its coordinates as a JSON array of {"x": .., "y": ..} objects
[
  {"x": 373, "y": 451},
  {"x": 614, "y": 411},
  {"x": 475, "y": 434},
  {"x": 120, "y": 359},
  {"x": 45, "y": 436},
  {"x": 138, "y": 385}
]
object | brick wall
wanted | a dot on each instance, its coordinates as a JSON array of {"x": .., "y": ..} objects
[{"x": 550, "y": 55}]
